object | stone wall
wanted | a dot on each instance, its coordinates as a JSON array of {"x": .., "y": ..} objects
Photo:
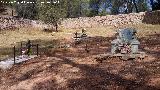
[
  {"x": 85, "y": 22},
  {"x": 112, "y": 20},
  {"x": 7, "y": 22},
  {"x": 152, "y": 17}
]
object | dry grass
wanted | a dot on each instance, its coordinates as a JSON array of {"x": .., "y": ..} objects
[
  {"x": 146, "y": 29},
  {"x": 77, "y": 69},
  {"x": 11, "y": 38}
]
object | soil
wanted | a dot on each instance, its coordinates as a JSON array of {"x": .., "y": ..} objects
[{"x": 76, "y": 68}]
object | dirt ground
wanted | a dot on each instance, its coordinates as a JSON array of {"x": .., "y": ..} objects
[{"x": 77, "y": 69}]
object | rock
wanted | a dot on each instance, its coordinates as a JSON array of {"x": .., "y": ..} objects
[{"x": 7, "y": 22}]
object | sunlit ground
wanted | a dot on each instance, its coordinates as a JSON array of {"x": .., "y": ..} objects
[{"x": 75, "y": 69}]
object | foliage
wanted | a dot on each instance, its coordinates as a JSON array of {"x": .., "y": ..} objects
[
  {"x": 142, "y": 5},
  {"x": 85, "y": 11},
  {"x": 94, "y": 5},
  {"x": 115, "y": 6},
  {"x": 2, "y": 5},
  {"x": 103, "y": 13},
  {"x": 156, "y": 5},
  {"x": 50, "y": 13},
  {"x": 73, "y": 8},
  {"x": 27, "y": 10}
]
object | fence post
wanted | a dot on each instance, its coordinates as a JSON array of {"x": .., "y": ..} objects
[
  {"x": 87, "y": 48},
  {"x": 37, "y": 49},
  {"x": 14, "y": 51},
  {"x": 21, "y": 48}
]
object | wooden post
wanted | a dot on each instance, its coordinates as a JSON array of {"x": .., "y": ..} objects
[
  {"x": 14, "y": 51},
  {"x": 76, "y": 38},
  {"x": 76, "y": 35},
  {"x": 86, "y": 48},
  {"x": 21, "y": 48},
  {"x": 37, "y": 49},
  {"x": 56, "y": 26},
  {"x": 12, "y": 12}
]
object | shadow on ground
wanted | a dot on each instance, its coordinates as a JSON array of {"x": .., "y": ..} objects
[
  {"x": 151, "y": 45},
  {"x": 112, "y": 74},
  {"x": 97, "y": 78},
  {"x": 95, "y": 45}
]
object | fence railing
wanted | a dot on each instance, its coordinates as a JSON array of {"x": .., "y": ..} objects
[
  {"x": 13, "y": 52},
  {"x": 18, "y": 51},
  {"x": 36, "y": 49}
]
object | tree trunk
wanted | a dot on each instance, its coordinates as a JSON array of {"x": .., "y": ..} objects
[
  {"x": 80, "y": 8},
  {"x": 135, "y": 6},
  {"x": 130, "y": 6},
  {"x": 152, "y": 4},
  {"x": 68, "y": 8}
]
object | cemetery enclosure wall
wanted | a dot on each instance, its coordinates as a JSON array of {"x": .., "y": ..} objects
[
  {"x": 86, "y": 22},
  {"x": 9, "y": 22},
  {"x": 12, "y": 23},
  {"x": 113, "y": 20}
]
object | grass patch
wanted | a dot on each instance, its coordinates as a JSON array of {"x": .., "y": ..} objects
[{"x": 45, "y": 39}]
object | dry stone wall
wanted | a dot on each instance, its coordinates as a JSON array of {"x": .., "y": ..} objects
[
  {"x": 112, "y": 20},
  {"x": 152, "y": 17},
  {"x": 85, "y": 22},
  {"x": 7, "y": 22}
]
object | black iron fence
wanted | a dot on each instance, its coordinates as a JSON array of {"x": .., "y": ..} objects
[
  {"x": 17, "y": 50},
  {"x": 36, "y": 49}
]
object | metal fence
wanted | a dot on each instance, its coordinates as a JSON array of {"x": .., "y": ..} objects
[
  {"x": 12, "y": 52},
  {"x": 36, "y": 49}
]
